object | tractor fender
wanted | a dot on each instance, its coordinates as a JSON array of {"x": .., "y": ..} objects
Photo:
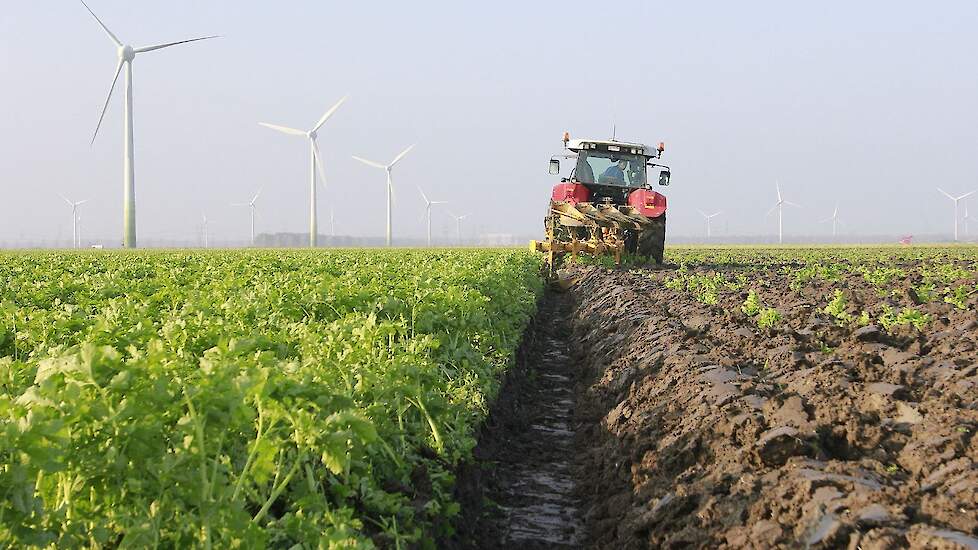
[
  {"x": 570, "y": 192},
  {"x": 648, "y": 203}
]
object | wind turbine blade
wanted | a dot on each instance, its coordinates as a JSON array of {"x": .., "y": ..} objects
[
  {"x": 777, "y": 186},
  {"x": 369, "y": 162},
  {"x": 79, "y": 203},
  {"x": 789, "y": 203},
  {"x": 329, "y": 113},
  {"x": 773, "y": 208},
  {"x": 319, "y": 163},
  {"x": 258, "y": 194},
  {"x": 425, "y": 197},
  {"x": 105, "y": 107},
  {"x": 66, "y": 199},
  {"x": 966, "y": 195},
  {"x": 945, "y": 194},
  {"x": 145, "y": 49},
  {"x": 702, "y": 213},
  {"x": 400, "y": 156},
  {"x": 283, "y": 129},
  {"x": 439, "y": 202},
  {"x": 390, "y": 185},
  {"x": 101, "y": 24}
]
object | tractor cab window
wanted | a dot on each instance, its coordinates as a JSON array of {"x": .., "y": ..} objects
[{"x": 608, "y": 168}]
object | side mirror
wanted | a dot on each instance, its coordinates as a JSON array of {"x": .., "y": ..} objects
[
  {"x": 554, "y": 167},
  {"x": 664, "y": 177}
]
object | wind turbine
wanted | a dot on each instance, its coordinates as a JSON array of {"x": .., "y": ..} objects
[
  {"x": 834, "y": 218},
  {"x": 956, "y": 199},
  {"x": 427, "y": 210},
  {"x": 332, "y": 223},
  {"x": 780, "y": 207},
  {"x": 75, "y": 240},
  {"x": 709, "y": 217},
  {"x": 127, "y": 54},
  {"x": 316, "y": 162},
  {"x": 203, "y": 228},
  {"x": 458, "y": 225},
  {"x": 253, "y": 207},
  {"x": 390, "y": 185}
]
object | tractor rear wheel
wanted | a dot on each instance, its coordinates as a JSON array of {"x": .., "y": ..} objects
[{"x": 652, "y": 240}]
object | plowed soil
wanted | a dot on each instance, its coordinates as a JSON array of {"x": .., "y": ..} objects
[
  {"x": 702, "y": 430},
  {"x": 689, "y": 426}
]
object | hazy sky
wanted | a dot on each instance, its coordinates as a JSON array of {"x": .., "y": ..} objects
[{"x": 871, "y": 104}]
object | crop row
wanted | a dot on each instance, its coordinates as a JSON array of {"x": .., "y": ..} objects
[
  {"x": 247, "y": 399},
  {"x": 890, "y": 287}
]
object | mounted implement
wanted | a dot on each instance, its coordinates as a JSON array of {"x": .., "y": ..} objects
[{"x": 606, "y": 205}]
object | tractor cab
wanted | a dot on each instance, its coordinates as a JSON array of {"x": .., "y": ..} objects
[{"x": 618, "y": 165}]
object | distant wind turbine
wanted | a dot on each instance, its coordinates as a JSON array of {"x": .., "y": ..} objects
[
  {"x": 427, "y": 210},
  {"x": 316, "y": 160},
  {"x": 252, "y": 205},
  {"x": 779, "y": 206},
  {"x": 458, "y": 225},
  {"x": 126, "y": 55},
  {"x": 834, "y": 218},
  {"x": 709, "y": 218},
  {"x": 332, "y": 223},
  {"x": 390, "y": 185},
  {"x": 203, "y": 229},
  {"x": 75, "y": 239},
  {"x": 956, "y": 200}
]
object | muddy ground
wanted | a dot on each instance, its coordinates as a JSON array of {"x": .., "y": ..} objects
[{"x": 682, "y": 424}]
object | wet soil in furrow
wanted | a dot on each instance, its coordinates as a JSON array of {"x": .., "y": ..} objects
[{"x": 520, "y": 492}]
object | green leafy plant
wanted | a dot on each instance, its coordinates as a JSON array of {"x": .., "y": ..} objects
[
  {"x": 837, "y": 308},
  {"x": 959, "y": 296},
  {"x": 752, "y": 305},
  {"x": 768, "y": 318}
]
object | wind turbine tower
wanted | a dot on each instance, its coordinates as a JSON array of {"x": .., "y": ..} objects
[
  {"x": 458, "y": 225},
  {"x": 956, "y": 201},
  {"x": 253, "y": 206},
  {"x": 834, "y": 218},
  {"x": 75, "y": 237},
  {"x": 316, "y": 163},
  {"x": 427, "y": 211},
  {"x": 779, "y": 206},
  {"x": 127, "y": 54},
  {"x": 709, "y": 218},
  {"x": 390, "y": 185}
]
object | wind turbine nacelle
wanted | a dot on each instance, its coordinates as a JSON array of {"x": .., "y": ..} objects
[{"x": 126, "y": 53}]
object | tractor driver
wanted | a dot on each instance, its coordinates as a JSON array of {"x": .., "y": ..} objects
[{"x": 615, "y": 173}]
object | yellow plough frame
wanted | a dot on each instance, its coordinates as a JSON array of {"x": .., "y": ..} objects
[{"x": 596, "y": 229}]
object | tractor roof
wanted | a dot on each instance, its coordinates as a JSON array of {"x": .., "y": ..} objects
[{"x": 611, "y": 145}]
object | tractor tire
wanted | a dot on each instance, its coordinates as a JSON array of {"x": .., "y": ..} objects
[{"x": 652, "y": 241}]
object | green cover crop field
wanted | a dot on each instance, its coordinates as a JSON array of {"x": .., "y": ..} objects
[{"x": 247, "y": 399}]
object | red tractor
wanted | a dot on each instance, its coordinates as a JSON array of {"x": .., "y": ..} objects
[{"x": 606, "y": 204}]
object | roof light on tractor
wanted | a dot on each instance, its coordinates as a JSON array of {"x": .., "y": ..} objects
[{"x": 606, "y": 205}]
